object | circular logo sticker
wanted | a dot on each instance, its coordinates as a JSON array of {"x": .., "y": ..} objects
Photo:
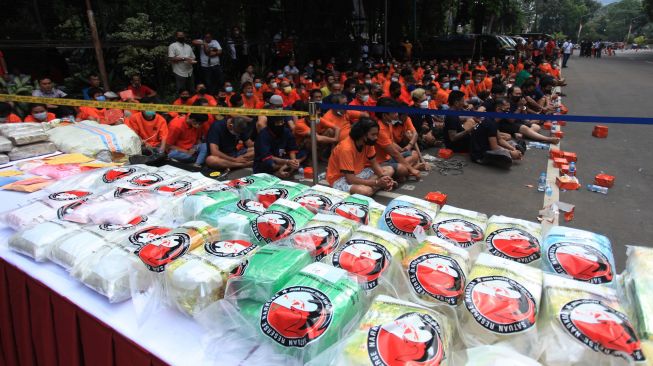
[
  {"x": 273, "y": 225},
  {"x": 64, "y": 211},
  {"x": 126, "y": 192},
  {"x": 580, "y": 261},
  {"x": 140, "y": 220},
  {"x": 411, "y": 339},
  {"x": 69, "y": 195},
  {"x": 146, "y": 180},
  {"x": 314, "y": 201},
  {"x": 319, "y": 240},
  {"x": 148, "y": 234},
  {"x": 515, "y": 244},
  {"x": 437, "y": 276},
  {"x": 601, "y": 328},
  {"x": 115, "y": 174},
  {"x": 251, "y": 206},
  {"x": 364, "y": 258},
  {"x": 241, "y": 182},
  {"x": 229, "y": 248},
  {"x": 163, "y": 250},
  {"x": 500, "y": 304},
  {"x": 268, "y": 196},
  {"x": 457, "y": 231},
  {"x": 402, "y": 220},
  {"x": 177, "y": 187},
  {"x": 240, "y": 270},
  {"x": 352, "y": 211},
  {"x": 296, "y": 316}
]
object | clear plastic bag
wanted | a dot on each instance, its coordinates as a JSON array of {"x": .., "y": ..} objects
[
  {"x": 491, "y": 356},
  {"x": 282, "y": 189},
  {"x": 251, "y": 184},
  {"x": 28, "y": 215},
  {"x": 464, "y": 228},
  {"x": 502, "y": 299},
  {"x": 585, "y": 324},
  {"x": 355, "y": 208},
  {"x": 638, "y": 286},
  {"x": 36, "y": 241},
  {"x": 320, "y": 198},
  {"x": 404, "y": 213},
  {"x": 195, "y": 203},
  {"x": 70, "y": 250},
  {"x": 99, "y": 180},
  {"x": 322, "y": 235},
  {"x": 580, "y": 255},
  {"x": 514, "y": 239}
]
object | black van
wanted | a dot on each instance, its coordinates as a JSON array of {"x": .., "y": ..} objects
[{"x": 466, "y": 46}]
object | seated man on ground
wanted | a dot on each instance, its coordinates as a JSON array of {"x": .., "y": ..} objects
[
  {"x": 7, "y": 115},
  {"x": 39, "y": 113},
  {"x": 487, "y": 147},
  {"x": 230, "y": 145},
  {"x": 456, "y": 128},
  {"x": 388, "y": 152},
  {"x": 139, "y": 90},
  {"x": 184, "y": 139},
  {"x": 429, "y": 128},
  {"x": 275, "y": 149},
  {"x": 347, "y": 170},
  {"x": 326, "y": 133},
  {"x": 151, "y": 127},
  {"x": 519, "y": 127}
]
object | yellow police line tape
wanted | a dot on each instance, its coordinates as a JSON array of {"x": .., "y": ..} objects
[{"x": 151, "y": 107}]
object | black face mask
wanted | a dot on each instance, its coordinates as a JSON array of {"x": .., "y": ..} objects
[
  {"x": 396, "y": 94},
  {"x": 184, "y": 98},
  {"x": 277, "y": 130},
  {"x": 201, "y": 91},
  {"x": 515, "y": 98},
  {"x": 181, "y": 39},
  {"x": 370, "y": 142}
]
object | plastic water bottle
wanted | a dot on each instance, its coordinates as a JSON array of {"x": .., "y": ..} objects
[
  {"x": 300, "y": 173},
  {"x": 572, "y": 169},
  {"x": 322, "y": 176},
  {"x": 548, "y": 191},
  {"x": 554, "y": 126},
  {"x": 541, "y": 183},
  {"x": 599, "y": 189}
]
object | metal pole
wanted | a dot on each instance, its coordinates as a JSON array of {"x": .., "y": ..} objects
[
  {"x": 312, "y": 111},
  {"x": 385, "y": 32},
  {"x": 98, "y": 46}
]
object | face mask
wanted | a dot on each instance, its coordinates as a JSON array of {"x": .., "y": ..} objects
[
  {"x": 277, "y": 130},
  {"x": 454, "y": 78},
  {"x": 273, "y": 85},
  {"x": 445, "y": 85},
  {"x": 395, "y": 122},
  {"x": 258, "y": 85},
  {"x": 287, "y": 89},
  {"x": 149, "y": 114},
  {"x": 229, "y": 89},
  {"x": 394, "y": 79},
  {"x": 310, "y": 65},
  {"x": 365, "y": 98},
  {"x": 428, "y": 98},
  {"x": 181, "y": 39},
  {"x": 201, "y": 90},
  {"x": 424, "y": 104},
  {"x": 41, "y": 116},
  {"x": 467, "y": 82},
  {"x": 455, "y": 87},
  {"x": 368, "y": 81},
  {"x": 249, "y": 94},
  {"x": 280, "y": 76},
  {"x": 101, "y": 98},
  {"x": 136, "y": 85},
  {"x": 184, "y": 98},
  {"x": 477, "y": 81},
  {"x": 370, "y": 142},
  {"x": 432, "y": 77}
]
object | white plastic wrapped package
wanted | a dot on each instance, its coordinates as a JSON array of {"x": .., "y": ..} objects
[
  {"x": 502, "y": 298},
  {"x": 322, "y": 235},
  {"x": 320, "y": 198},
  {"x": 514, "y": 239},
  {"x": 585, "y": 324},
  {"x": 28, "y": 215},
  {"x": 369, "y": 255},
  {"x": 579, "y": 254},
  {"x": 118, "y": 233},
  {"x": 397, "y": 332},
  {"x": 279, "y": 221},
  {"x": 195, "y": 203},
  {"x": 99, "y": 181},
  {"x": 282, "y": 189},
  {"x": 149, "y": 180},
  {"x": 638, "y": 283},
  {"x": 70, "y": 250},
  {"x": 36, "y": 241},
  {"x": 464, "y": 228},
  {"x": 404, "y": 213},
  {"x": 491, "y": 356},
  {"x": 436, "y": 271},
  {"x": 116, "y": 211},
  {"x": 89, "y": 138}
]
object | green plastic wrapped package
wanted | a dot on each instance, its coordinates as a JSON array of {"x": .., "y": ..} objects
[
  {"x": 322, "y": 235},
  {"x": 313, "y": 311},
  {"x": 638, "y": 283},
  {"x": 266, "y": 272},
  {"x": 194, "y": 204},
  {"x": 396, "y": 332},
  {"x": 464, "y": 228},
  {"x": 585, "y": 324},
  {"x": 250, "y": 185},
  {"x": 320, "y": 198},
  {"x": 281, "y": 189},
  {"x": 406, "y": 213},
  {"x": 224, "y": 201},
  {"x": 436, "y": 271},
  {"x": 369, "y": 254},
  {"x": 376, "y": 212},
  {"x": 280, "y": 220},
  {"x": 355, "y": 208},
  {"x": 501, "y": 300},
  {"x": 514, "y": 239}
]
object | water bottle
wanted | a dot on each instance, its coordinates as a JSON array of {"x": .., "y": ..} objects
[
  {"x": 300, "y": 173},
  {"x": 599, "y": 189},
  {"x": 322, "y": 176},
  {"x": 554, "y": 126},
  {"x": 549, "y": 191},
  {"x": 541, "y": 183},
  {"x": 572, "y": 169}
]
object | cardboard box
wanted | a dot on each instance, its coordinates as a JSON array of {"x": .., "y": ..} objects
[
  {"x": 554, "y": 152},
  {"x": 559, "y": 162},
  {"x": 445, "y": 153},
  {"x": 308, "y": 172},
  {"x": 559, "y": 134},
  {"x": 568, "y": 183},
  {"x": 437, "y": 198},
  {"x": 570, "y": 156},
  {"x": 564, "y": 169},
  {"x": 600, "y": 131},
  {"x": 604, "y": 180},
  {"x": 547, "y": 126}
]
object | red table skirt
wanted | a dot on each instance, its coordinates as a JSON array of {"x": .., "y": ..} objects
[{"x": 40, "y": 327}]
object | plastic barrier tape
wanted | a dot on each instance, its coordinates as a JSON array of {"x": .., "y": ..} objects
[{"x": 150, "y": 107}]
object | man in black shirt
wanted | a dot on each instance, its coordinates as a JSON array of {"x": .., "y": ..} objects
[
  {"x": 486, "y": 145},
  {"x": 456, "y": 133},
  {"x": 230, "y": 144}
]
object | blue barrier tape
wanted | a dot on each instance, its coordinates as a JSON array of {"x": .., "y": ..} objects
[{"x": 540, "y": 117}]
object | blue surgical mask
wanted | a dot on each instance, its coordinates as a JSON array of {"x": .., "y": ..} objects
[
  {"x": 41, "y": 116},
  {"x": 229, "y": 89},
  {"x": 249, "y": 94},
  {"x": 445, "y": 85},
  {"x": 101, "y": 98},
  {"x": 455, "y": 87},
  {"x": 468, "y": 81},
  {"x": 258, "y": 85},
  {"x": 149, "y": 114}
]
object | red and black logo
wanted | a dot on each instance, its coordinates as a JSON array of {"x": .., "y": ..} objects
[
  {"x": 364, "y": 258},
  {"x": 460, "y": 232},
  {"x": 268, "y": 196},
  {"x": 241, "y": 182},
  {"x": 215, "y": 188},
  {"x": 314, "y": 201},
  {"x": 500, "y": 304},
  {"x": 580, "y": 261},
  {"x": 229, "y": 248},
  {"x": 175, "y": 188},
  {"x": 273, "y": 225},
  {"x": 69, "y": 195},
  {"x": 319, "y": 240},
  {"x": 353, "y": 211},
  {"x": 148, "y": 234},
  {"x": 163, "y": 250},
  {"x": 296, "y": 316},
  {"x": 66, "y": 210},
  {"x": 515, "y": 244},
  {"x": 402, "y": 220},
  {"x": 240, "y": 270},
  {"x": 126, "y": 192},
  {"x": 251, "y": 206},
  {"x": 412, "y": 339},
  {"x": 437, "y": 276},
  {"x": 146, "y": 180},
  {"x": 601, "y": 328},
  {"x": 116, "y": 174},
  {"x": 140, "y": 220}
]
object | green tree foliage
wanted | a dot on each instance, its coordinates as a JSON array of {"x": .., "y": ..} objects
[{"x": 613, "y": 21}]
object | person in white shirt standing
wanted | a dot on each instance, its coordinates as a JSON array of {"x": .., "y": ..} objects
[
  {"x": 210, "y": 67},
  {"x": 567, "y": 49},
  {"x": 182, "y": 58}
]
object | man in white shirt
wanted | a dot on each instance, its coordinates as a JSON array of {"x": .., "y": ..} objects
[
  {"x": 210, "y": 68},
  {"x": 567, "y": 48},
  {"x": 182, "y": 58}
]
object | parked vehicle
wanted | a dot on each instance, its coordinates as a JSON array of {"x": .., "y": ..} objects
[{"x": 473, "y": 46}]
